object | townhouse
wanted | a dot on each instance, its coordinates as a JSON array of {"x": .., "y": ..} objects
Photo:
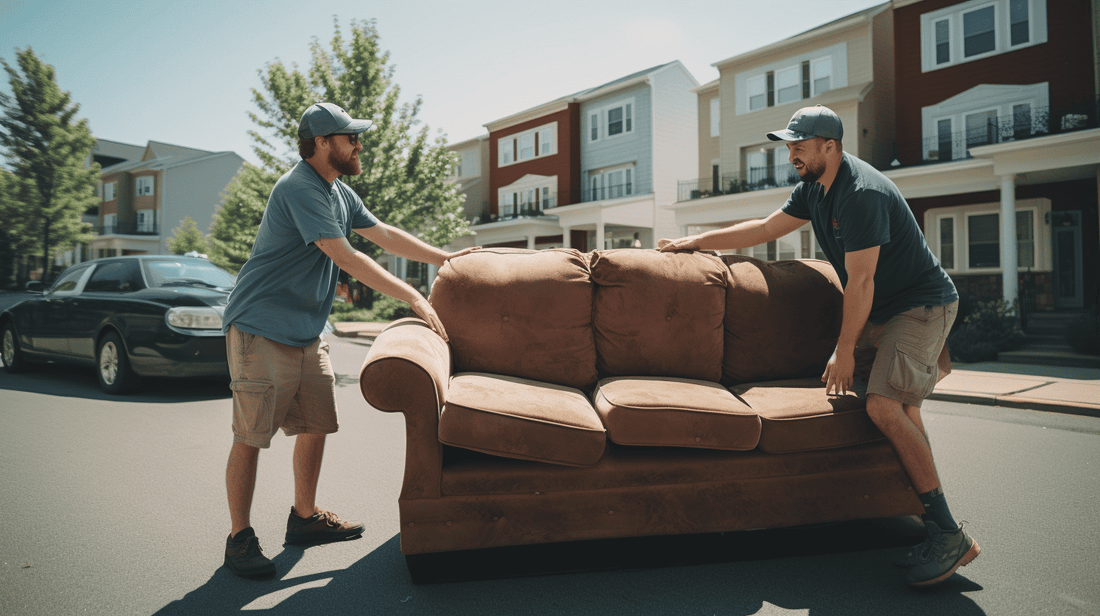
[
  {"x": 846, "y": 65},
  {"x": 588, "y": 170},
  {"x": 998, "y": 139},
  {"x": 983, "y": 112},
  {"x": 148, "y": 191}
]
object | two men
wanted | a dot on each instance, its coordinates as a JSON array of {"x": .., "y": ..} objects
[
  {"x": 897, "y": 299},
  {"x": 282, "y": 377}
]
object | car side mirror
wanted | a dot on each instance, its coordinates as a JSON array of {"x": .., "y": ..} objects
[{"x": 35, "y": 286}]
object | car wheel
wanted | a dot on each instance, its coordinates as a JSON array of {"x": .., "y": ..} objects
[
  {"x": 14, "y": 360},
  {"x": 112, "y": 366}
]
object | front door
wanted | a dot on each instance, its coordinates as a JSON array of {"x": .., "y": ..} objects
[{"x": 1068, "y": 279}]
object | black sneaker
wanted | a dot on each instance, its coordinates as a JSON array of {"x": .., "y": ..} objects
[
  {"x": 321, "y": 527},
  {"x": 244, "y": 556}
]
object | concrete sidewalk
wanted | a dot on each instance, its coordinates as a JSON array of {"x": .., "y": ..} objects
[{"x": 1026, "y": 386}]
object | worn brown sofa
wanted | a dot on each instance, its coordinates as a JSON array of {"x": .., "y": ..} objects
[{"x": 626, "y": 393}]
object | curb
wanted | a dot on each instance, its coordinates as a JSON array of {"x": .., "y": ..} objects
[{"x": 1030, "y": 404}]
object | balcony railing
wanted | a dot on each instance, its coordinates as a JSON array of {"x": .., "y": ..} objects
[
  {"x": 1024, "y": 124},
  {"x": 523, "y": 209},
  {"x": 757, "y": 178},
  {"x": 609, "y": 192},
  {"x": 127, "y": 228}
]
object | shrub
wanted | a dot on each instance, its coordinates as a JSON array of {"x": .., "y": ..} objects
[
  {"x": 1082, "y": 335},
  {"x": 988, "y": 328},
  {"x": 384, "y": 310}
]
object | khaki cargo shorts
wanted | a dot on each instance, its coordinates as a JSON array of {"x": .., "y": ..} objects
[
  {"x": 278, "y": 386},
  {"x": 905, "y": 357}
]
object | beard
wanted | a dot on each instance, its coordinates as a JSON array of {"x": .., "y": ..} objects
[
  {"x": 809, "y": 173},
  {"x": 349, "y": 166}
]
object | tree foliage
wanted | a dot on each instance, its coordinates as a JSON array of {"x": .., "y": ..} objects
[
  {"x": 46, "y": 147},
  {"x": 187, "y": 237},
  {"x": 404, "y": 169},
  {"x": 237, "y": 221}
]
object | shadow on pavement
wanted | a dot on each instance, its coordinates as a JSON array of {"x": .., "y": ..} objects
[
  {"x": 80, "y": 382},
  {"x": 833, "y": 570}
]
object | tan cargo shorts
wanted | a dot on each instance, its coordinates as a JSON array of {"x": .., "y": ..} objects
[
  {"x": 903, "y": 358},
  {"x": 279, "y": 386}
]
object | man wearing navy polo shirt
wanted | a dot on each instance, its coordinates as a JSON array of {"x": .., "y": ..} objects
[
  {"x": 282, "y": 377},
  {"x": 899, "y": 305}
]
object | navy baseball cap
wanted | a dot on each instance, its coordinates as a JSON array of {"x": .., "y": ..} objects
[
  {"x": 323, "y": 119},
  {"x": 810, "y": 122}
]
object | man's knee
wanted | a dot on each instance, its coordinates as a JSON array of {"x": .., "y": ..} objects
[{"x": 883, "y": 410}]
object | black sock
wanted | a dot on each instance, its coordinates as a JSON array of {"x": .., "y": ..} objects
[{"x": 935, "y": 510}]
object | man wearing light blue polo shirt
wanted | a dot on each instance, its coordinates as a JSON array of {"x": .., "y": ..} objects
[{"x": 282, "y": 376}]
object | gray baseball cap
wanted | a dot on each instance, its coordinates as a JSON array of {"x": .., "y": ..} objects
[
  {"x": 810, "y": 122},
  {"x": 323, "y": 119}
]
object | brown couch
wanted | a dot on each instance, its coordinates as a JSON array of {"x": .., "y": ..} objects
[{"x": 626, "y": 393}]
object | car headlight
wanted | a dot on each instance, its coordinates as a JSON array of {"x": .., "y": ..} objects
[{"x": 194, "y": 318}]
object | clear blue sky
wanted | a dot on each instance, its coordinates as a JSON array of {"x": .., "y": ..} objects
[{"x": 182, "y": 72}]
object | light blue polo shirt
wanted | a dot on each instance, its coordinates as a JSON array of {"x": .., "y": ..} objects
[{"x": 285, "y": 290}]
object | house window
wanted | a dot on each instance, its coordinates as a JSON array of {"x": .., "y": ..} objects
[
  {"x": 527, "y": 145},
  {"x": 944, "y": 140},
  {"x": 821, "y": 74},
  {"x": 109, "y": 223},
  {"x": 612, "y": 183},
  {"x": 758, "y": 95},
  {"x": 143, "y": 186},
  {"x": 110, "y": 191},
  {"x": 594, "y": 126},
  {"x": 145, "y": 221},
  {"x": 943, "y": 41},
  {"x": 1025, "y": 238},
  {"x": 787, "y": 84},
  {"x": 983, "y": 241},
  {"x": 981, "y": 128},
  {"x": 947, "y": 242},
  {"x": 1019, "y": 26},
  {"x": 979, "y": 28},
  {"x": 715, "y": 116},
  {"x": 617, "y": 118},
  {"x": 1021, "y": 121},
  {"x": 979, "y": 35}
]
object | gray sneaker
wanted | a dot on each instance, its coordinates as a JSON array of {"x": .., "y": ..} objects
[
  {"x": 911, "y": 557},
  {"x": 941, "y": 555}
]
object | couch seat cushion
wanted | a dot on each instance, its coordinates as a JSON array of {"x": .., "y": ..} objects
[
  {"x": 782, "y": 319},
  {"x": 797, "y": 415},
  {"x": 675, "y": 412},
  {"x": 520, "y": 418},
  {"x": 521, "y": 313},
  {"x": 659, "y": 313}
]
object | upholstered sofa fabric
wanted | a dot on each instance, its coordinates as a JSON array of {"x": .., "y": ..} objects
[
  {"x": 671, "y": 412},
  {"x": 782, "y": 319},
  {"x": 797, "y": 415},
  {"x": 520, "y": 313},
  {"x": 659, "y": 314},
  {"x": 521, "y": 418}
]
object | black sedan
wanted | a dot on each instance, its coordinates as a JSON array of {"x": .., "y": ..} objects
[{"x": 128, "y": 317}]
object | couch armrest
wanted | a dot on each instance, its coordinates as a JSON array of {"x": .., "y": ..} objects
[{"x": 407, "y": 370}]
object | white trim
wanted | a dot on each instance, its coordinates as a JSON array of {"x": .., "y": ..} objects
[{"x": 600, "y": 116}]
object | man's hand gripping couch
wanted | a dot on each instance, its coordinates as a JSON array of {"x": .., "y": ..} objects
[{"x": 626, "y": 393}]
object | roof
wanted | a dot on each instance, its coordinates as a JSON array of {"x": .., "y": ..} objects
[
  {"x": 836, "y": 24},
  {"x": 583, "y": 95},
  {"x": 158, "y": 155}
]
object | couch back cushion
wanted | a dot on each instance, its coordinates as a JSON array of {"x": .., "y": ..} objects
[
  {"x": 782, "y": 318},
  {"x": 659, "y": 314},
  {"x": 520, "y": 313}
]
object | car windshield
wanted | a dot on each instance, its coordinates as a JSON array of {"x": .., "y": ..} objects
[{"x": 187, "y": 272}]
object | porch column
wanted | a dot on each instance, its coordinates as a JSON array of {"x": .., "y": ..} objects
[
  {"x": 565, "y": 239},
  {"x": 1009, "y": 277},
  {"x": 599, "y": 235},
  {"x": 531, "y": 242},
  {"x": 433, "y": 272}
]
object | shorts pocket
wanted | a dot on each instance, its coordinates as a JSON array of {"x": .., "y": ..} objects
[
  {"x": 910, "y": 373},
  {"x": 253, "y": 406}
]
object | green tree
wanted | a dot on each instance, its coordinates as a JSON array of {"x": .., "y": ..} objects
[
  {"x": 237, "y": 220},
  {"x": 46, "y": 148},
  {"x": 187, "y": 237},
  {"x": 14, "y": 239},
  {"x": 404, "y": 169}
]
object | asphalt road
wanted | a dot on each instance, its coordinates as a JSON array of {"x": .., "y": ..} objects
[{"x": 117, "y": 506}]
